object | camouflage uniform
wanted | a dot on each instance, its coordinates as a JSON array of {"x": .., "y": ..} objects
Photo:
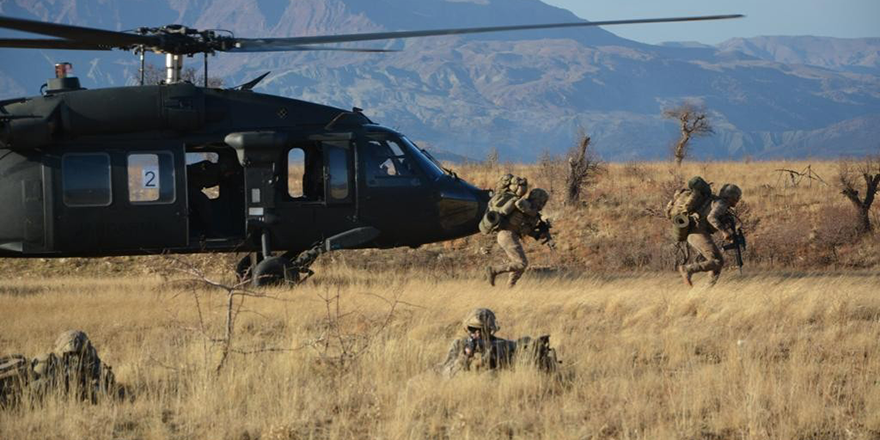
[
  {"x": 73, "y": 366},
  {"x": 484, "y": 351},
  {"x": 715, "y": 216},
  {"x": 521, "y": 221}
]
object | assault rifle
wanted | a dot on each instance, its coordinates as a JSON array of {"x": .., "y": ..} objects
[
  {"x": 737, "y": 243},
  {"x": 542, "y": 233},
  {"x": 474, "y": 346}
]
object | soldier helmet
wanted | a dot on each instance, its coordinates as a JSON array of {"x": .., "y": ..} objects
[
  {"x": 730, "y": 192},
  {"x": 72, "y": 342},
  {"x": 483, "y": 319},
  {"x": 538, "y": 197}
]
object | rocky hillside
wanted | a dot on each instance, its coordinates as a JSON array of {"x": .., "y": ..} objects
[{"x": 522, "y": 93}]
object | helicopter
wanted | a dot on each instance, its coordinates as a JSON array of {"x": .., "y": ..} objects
[{"x": 108, "y": 172}]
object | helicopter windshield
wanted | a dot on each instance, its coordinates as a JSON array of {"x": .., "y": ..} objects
[
  {"x": 432, "y": 166},
  {"x": 393, "y": 160}
]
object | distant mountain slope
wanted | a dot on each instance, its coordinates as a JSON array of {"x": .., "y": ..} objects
[
  {"x": 858, "y": 55},
  {"x": 522, "y": 93}
]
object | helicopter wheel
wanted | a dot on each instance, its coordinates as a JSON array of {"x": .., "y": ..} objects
[
  {"x": 245, "y": 267},
  {"x": 274, "y": 271}
]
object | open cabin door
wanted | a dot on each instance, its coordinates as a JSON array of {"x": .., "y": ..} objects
[{"x": 125, "y": 199}]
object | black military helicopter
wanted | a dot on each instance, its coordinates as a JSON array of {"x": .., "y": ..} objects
[{"x": 90, "y": 173}]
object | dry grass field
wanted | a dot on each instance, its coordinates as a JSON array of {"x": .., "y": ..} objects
[
  {"x": 350, "y": 354},
  {"x": 790, "y": 350}
]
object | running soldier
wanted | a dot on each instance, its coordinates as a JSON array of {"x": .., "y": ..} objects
[
  {"x": 482, "y": 350},
  {"x": 714, "y": 216},
  {"x": 518, "y": 217}
]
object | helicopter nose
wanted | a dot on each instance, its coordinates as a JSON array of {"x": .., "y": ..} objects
[{"x": 460, "y": 208}]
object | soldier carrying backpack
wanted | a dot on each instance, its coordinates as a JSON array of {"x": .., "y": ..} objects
[
  {"x": 514, "y": 212},
  {"x": 696, "y": 214}
]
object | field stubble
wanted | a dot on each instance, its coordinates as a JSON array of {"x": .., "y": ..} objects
[{"x": 765, "y": 356}]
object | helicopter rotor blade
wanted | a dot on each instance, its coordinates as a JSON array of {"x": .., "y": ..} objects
[
  {"x": 79, "y": 34},
  {"x": 271, "y": 48},
  {"x": 21, "y": 43},
  {"x": 296, "y": 43}
]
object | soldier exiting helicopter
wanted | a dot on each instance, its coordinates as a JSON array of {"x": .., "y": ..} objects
[
  {"x": 514, "y": 212},
  {"x": 201, "y": 175}
]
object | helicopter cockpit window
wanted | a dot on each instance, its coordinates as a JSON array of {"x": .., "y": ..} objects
[
  {"x": 85, "y": 179},
  {"x": 387, "y": 164},
  {"x": 151, "y": 178}
]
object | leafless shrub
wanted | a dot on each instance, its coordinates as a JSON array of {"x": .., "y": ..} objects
[
  {"x": 835, "y": 227},
  {"x": 347, "y": 334},
  {"x": 693, "y": 121},
  {"x": 848, "y": 175},
  {"x": 584, "y": 168},
  {"x": 184, "y": 274},
  {"x": 491, "y": 161},
  {"x": 549, "y": 169}
]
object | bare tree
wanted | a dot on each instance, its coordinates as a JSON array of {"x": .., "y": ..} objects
[
  {"x": 156, "y": 75},
  {"x": 869, "y": 171},
  {"x": 693, "y": 122},
  {"x": 584, "y": 168}
]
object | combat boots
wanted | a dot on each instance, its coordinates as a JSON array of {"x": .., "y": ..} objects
[
  {"x": 685, "y": 275},
  {"x": 490, "y": 275}
]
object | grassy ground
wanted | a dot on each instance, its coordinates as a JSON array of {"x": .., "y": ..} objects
[{"x": 350, "y": 355}]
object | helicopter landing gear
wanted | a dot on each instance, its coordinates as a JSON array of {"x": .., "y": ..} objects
[
  {"x": 292, "y": 267},
  {"x": 274, "y": 271}
]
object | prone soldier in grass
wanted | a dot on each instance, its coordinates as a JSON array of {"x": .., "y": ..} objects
[
  {"x": 481, "y": 350},
  {"x": 73, "y": 366}
]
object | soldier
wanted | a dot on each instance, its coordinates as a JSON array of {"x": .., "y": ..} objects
[
  {"x": 714, "y": 216},
  {"x": 73, "y": 366},
  {"x": 482, "y": 350},
  {"x": 523, "y": 219},
  {"x": 201, "y": 175}
]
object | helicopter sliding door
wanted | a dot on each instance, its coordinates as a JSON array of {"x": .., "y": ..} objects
[
  {"x": 319, "y": 198},
  {"x": 396, "y": 198},
  {"x": 113, "y": 199}
]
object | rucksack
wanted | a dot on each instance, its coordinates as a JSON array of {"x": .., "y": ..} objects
[
  {"x": 508, "y": 190},
  {"x": 686, "y": 202},
  {"x": 15, "y": 371}
]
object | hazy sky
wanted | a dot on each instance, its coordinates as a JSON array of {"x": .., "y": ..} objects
[{"x": 831, "y": 18}]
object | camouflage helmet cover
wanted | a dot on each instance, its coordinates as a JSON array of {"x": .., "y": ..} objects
[
  {"x": 71, "y": 342},
  {"x": 483, "y": 319},
  {"x": 730, "y": 192},
  {"x": 538, "y": 197}
]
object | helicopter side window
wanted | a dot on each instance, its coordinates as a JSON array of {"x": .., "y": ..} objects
[
  {"x": 85, "y": 179},
  {"x": 305, "y": 172},
  {"x": 337, "y": 171},
  {"x": 151, "y": 178},
  {"x": 387, "y": 165}
]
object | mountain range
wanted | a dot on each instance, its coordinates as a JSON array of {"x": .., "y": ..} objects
[{"x": 522, "y": 93}]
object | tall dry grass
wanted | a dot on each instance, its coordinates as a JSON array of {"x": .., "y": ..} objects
[{"x": 764, "y": 357}]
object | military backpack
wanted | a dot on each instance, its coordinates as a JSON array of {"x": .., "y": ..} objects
[
  {"x": 15, "y": 372},
  {"x": 685, "y": 203},
  {"x": 508, "y": 190}
]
